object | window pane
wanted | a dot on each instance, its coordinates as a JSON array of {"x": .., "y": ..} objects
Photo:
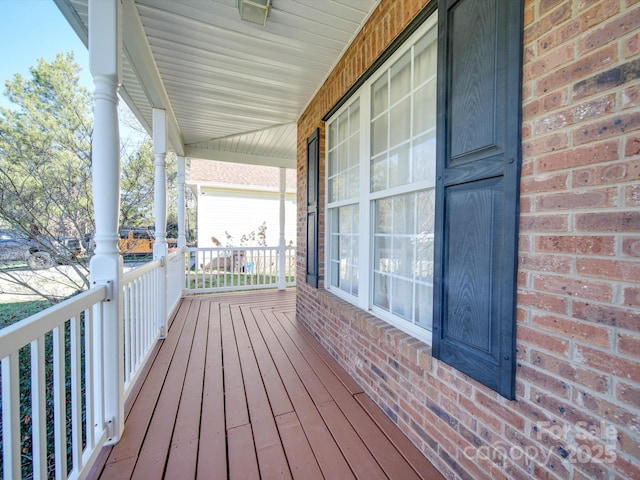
[
  {"x": 424, "y": 108},
  {"x": 354, "y": 118},
  {"x": 401, "y": 78},
  {"x": 333, "y": 134},
  {"x": 424, "y": 306},
  {"x": 380, "y": 96},
  {"x": 425, "y": 62},
  {"x": 379, "y": 173},
  {"x": 379, "y": 135},
  {"x": 399, "y": 171},
  {"x": 384, "y": 220},
  {"x": 402, "y": 299},
  {"x": 403, "y": 214},
  {"x": 382, "y": 254},
  {"x": 381, "y": 291},
  {"x": 343, "y": 126},
  {"x": 400, "y": 122},
  {"x": 424, "y": 158},
  {"x": 354, "y": 151}
]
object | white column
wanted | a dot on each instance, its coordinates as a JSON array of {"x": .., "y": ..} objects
[
  {"x": 282, "y": 246},
  {"x": 106, "y": 264},
  {"x": 160, "y": 208},
  {"x": 182, "y": 238}
]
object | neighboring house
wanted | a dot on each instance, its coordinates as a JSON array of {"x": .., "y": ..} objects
[
  {"x": 238, "y": 198},
  {"x": 503, "y": 348}
]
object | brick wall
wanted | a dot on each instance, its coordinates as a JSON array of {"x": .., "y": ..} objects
[{"x": 578, "y": 377}]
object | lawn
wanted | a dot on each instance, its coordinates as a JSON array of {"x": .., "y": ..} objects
[{"x": 12, "y": 312}]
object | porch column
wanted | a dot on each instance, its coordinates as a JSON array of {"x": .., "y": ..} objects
[
  {"x": 160, "y": 208},
  {"x": 106, "y": 265},
  {"x": 282, "y": 246},
  {"x": 182, "y": 239}
]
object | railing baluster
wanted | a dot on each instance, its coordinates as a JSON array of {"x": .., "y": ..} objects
[
  {"x": 38, "y": 409},
  {"x": 11, "y": 416},
  {"x": 88, "y": 378},
  {"x": 59, "y": 403},
  {"x": 76, "y": 395}
]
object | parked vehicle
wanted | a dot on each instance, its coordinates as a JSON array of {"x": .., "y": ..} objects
[
  {"x": 136, "y": 241},
  {"x": 38, "y": 252}
]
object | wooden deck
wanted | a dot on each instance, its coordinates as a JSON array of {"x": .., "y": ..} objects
[{"x": 240, "y": 390}]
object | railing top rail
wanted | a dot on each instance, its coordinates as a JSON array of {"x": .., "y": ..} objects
[
  {"x": 16, "y": 336},
  {"x": 226, "y": 249},
  {"x": 136, "y": 273}
]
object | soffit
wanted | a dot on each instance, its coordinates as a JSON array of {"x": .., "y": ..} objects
[{"x": 233, "y": 90}]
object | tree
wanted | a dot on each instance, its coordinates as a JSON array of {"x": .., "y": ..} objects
[
  {"x": 45, "y": 159},
  {"x": 45, "y": 168}
]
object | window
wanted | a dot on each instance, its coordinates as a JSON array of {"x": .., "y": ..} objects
[
  {"x": 381, "y": 188},
  {"x": 437, "y": 258}
]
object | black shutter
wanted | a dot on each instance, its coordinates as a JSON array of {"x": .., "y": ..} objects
[
  {"x": 313, "y": 169},
  {"x": 477, "y": 188}
]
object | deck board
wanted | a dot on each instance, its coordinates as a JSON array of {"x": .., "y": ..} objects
[{"x": 240, "y": 389}]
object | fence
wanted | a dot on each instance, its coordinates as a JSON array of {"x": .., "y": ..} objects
[
  {"x": 50, "y": 411},
  {"x": 238, "y": 268}
]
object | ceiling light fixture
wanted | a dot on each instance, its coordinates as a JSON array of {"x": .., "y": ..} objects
[{"x": 254, "y": 11}]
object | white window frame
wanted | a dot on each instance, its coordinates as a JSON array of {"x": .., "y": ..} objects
[{"x": 364, "y": 300}]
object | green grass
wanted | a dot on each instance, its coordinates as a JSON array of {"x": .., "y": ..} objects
[{"x": 13, "y": 312}]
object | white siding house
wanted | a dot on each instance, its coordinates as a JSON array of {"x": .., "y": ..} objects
[{"x": 238, "y": 198}]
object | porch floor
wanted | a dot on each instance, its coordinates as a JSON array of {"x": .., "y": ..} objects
[{"x": 239, "y": 389}]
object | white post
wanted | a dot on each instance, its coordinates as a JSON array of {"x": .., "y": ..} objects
[
  {"x": 282, "y": 246},
  {"x": 160, "y": 209},
  {"x": 182, "y": 238},
  {"x": 105, "y": 52}
]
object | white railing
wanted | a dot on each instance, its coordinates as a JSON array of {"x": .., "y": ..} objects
[
  {"x": 237, "y": 268},
  {"x": 48, "y": 378},
  {"x": 141, "y": 299},
  {"x": 175, "y": 280}
]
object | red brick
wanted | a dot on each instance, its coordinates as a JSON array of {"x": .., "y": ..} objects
[
  {"x": 628, "y": 394},
  {"x": 542, "y": 301},
  {"x": 615, "y": 126},
  {"x": 629, "y": 344},
  {"x": 576, "y": 114},
  {"x": 632, "y": 196},
  {"x": 544, "y": 223},
  {"x": 571, "y": 371},
  {"x": 632, "y": 46},
  {"x": 594, "y": 245},
  {"x": 544, "y": 263},
  {"x": 573, "y": 287},
  {"x": 632, "y": 146},
  {"x": 609, "y": 269},
  {"x": 564, "y": 410},
  {"x": 597, "y": 153},
  {"x": 578, "y": 69},
  {"x": 577, "y": 200},
  {"x": 544, "y": 6},
  {"x": 632, "y": 297},
  {"x": 606, "y": 315},
  {"x": 631, "y": 246},
  {"x": 608, "y": 363},
  {"x": 500, "y": 409},
  {"x": 546, "y": 63},
  {"x": 547, "y": 22},
  {"x": 615, "y": 222},
  {"x": 543, "y": 340},
  {"x": 541, "y": 379},
  {"x": 613, "y": 77},
  {"x": 573, "y": 329},
  {"x": 611, "y": 31},
  {"x": 604, "y": 408},
  {"x": 616, "y": 172},
  {"x": 631, "y": 97},
  {"x": 543, "y": 183},
  {"x": 549, "y": 143}
]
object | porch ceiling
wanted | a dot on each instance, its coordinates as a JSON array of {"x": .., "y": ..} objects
[{"x": 232, "y": 90}]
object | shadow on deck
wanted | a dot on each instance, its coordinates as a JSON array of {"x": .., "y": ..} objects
[{"x": 240, "y": 390}]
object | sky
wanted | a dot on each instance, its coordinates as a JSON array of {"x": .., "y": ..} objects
[{"x": 33, "y": 29}]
